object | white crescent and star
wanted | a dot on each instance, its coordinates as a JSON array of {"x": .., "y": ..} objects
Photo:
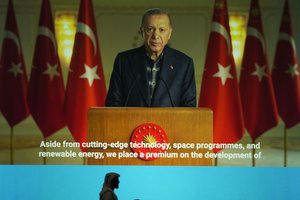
[
  {"x": 11, "y": 35},
  {"x": 260, "y": 72},
  {"x": 51, "y": 69},
  {"x": 90, "y": 74},
  {"x": 223, "y": 73},
  {"x": 85, "y": 29},
  {"x": 292, "y": 68}
]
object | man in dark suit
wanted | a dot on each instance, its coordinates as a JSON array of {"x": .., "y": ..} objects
[{"x": 153, "y": 75}]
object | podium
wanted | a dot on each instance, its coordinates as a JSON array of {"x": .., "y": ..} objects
[{"x": 183, "y": 126}]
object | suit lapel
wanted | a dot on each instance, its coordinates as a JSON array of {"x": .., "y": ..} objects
[{"x": 139, "y": 68}]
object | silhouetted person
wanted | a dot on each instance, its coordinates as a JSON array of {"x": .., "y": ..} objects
[{"x": 111, "y": 182}]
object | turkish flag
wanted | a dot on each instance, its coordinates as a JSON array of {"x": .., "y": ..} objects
[
  {"x": 258, "y": 98},
  {"x": 14, "y": 80},
  {"x": 1, "y": 80},
  {"x": 46, "y": 87},
  {"x": 285, "y": 74},
  {"x": 86, "y": 85},
  {"x": 219, "y": 89}
]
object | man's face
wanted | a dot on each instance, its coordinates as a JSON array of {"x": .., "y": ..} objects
[
  {"x": 157, "y": 32},
  {"x": 115, "y": 183}
]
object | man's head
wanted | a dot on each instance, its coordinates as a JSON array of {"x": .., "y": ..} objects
[
  {"x": 111, "y": 180},
  {"x": 156, "y": 29}
]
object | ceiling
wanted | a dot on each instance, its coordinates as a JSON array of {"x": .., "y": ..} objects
[{"x": 153, "y": 3}]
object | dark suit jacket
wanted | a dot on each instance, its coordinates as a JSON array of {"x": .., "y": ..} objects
[{"x": 129, "y": 82}]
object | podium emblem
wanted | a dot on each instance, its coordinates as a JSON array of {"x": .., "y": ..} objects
[{"x": 149, "y": 141}]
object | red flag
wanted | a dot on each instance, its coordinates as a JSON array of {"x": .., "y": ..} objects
[
  {"x": 285, "y": 74},
  {"x": 46, "y": 87},
  {"x": 257, "y": 94},
  {"x": 14, "y": 83},
  {"x": 219, "y": 89},
  {"x": 86, "y": 85},
  {"x": 1, "y": 80}
]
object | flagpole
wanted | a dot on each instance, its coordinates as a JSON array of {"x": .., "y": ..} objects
[
  {"x": 216, "y": 162},
  {"x": 285, "y": 146},
  {"x": 45, "y": 150},
  {"x": 253, "y": 153},
  {"x": 12, "y": 145}
]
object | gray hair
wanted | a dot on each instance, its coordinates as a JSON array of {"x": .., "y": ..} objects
[{"x": 155, "y": 11}]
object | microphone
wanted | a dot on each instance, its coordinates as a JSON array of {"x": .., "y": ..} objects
[
  {"x": 168, "y": 91},
  {"x": 130, "y": 89}
]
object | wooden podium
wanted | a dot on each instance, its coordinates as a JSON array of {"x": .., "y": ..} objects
[{"x": 182, "y": 125}]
